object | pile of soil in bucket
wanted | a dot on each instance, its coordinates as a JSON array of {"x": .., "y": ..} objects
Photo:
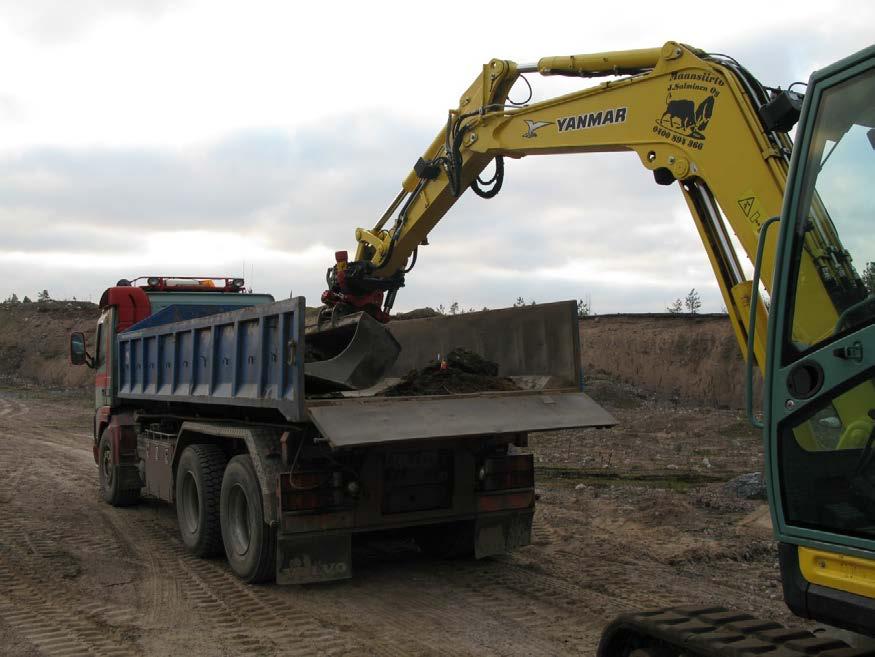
[{"x": 465, "y": 372}]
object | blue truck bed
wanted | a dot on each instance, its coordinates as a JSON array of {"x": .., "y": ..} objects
[{"x": 253, "y": 357}]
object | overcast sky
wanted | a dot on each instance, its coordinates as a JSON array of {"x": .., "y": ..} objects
[{"x": 154, "y": 137}]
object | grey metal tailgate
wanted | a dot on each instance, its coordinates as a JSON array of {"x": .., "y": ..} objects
[{"x": 355, "y": 422}]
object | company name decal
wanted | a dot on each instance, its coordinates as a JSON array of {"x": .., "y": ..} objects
[
  {"x": 689, "y": 106},
  {"x": 592, "y": 120}
]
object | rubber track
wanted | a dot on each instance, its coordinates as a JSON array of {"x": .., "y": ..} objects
[{"x": 719, "y": 632}]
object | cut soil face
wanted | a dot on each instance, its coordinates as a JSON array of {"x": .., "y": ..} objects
[{"x": 465, "y": 372}]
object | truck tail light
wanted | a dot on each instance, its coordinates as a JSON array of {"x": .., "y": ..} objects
[
  {"x": 506, "y": 472},
  {"x": 310, "y": 490},
  {"x": 505, "y": 501}
]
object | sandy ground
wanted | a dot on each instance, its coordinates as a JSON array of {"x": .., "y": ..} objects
[{"x": 628, "y": 518}]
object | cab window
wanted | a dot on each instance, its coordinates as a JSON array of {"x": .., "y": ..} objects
[
  {"x": 827, "y": 461},
  {"x": 834, "y": 290}
]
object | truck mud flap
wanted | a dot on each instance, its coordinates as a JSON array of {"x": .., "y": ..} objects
[
  {"x": 500, "y": 535},
  {"x": 357, "y": 423},
  {"x": 313, "y": 558}
]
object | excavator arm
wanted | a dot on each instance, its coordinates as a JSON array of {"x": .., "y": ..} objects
[{"x": 700, "y": 120}]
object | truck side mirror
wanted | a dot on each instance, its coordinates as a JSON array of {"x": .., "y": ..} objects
[{"x": 78, "y": 353}]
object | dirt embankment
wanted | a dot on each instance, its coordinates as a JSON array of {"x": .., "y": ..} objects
[
  {"x": 694, "y": 359},
  {"x": 34, "y": 339}
]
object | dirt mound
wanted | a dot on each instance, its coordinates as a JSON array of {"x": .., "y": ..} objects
[
  {"x": 464, "y": 372},
  {"x": 418, "y": 313},
  {"x": 693, "y": 359},
  {"x": 34, "y": 339}
]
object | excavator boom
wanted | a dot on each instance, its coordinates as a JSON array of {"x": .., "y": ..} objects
[{"x": 690, "y": 118}]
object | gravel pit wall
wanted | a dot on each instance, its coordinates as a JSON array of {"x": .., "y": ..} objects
[
  {"x": 34, "y": 340},
  {"x": 690, "y": 359},
  {"x": 693, "y": 359}
]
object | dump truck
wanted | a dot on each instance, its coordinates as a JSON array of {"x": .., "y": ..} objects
[{"x": 268, "y": 431}]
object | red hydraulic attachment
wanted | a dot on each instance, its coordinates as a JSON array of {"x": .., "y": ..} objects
[{"x": 370, "y": 302}]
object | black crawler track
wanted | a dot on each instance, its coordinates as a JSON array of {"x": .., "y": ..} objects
[{"x": 714, "y": 632}]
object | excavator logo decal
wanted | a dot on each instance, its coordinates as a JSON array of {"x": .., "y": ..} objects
[
  {"x": 533, "y": 127},
  {"x": 685, "y": 117},
  {"x": 689, "y": 106},
  {"x": 593, "y": 119}
]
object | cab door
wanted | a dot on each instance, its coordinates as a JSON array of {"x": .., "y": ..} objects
[
  {"x": 820, "y": 399},
  {"x": 102, "y": 346}
]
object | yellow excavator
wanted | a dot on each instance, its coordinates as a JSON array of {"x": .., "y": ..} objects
[{"x": 703, "y": 121}]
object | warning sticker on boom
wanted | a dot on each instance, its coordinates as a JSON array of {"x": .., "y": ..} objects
[{"x": 750, "y": 207}]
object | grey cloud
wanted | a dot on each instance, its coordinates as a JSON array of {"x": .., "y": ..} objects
[
  {"x": 780, "y": 57},
  {"x": 60, "y": 20},
  {"x": 11, "y": 109},
  {"x": 59, "y": 234},
  {"x": 319, "y": 184},
  {"x": 431, "y": 287},
  {"x": 286, "y": 185},
  {"x": 554, "y": 209}
]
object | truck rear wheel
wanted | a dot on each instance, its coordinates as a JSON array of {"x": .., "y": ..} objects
[
  {"x": 250, "y": 543},
  {"x": 198, "y": 489},
  {"x": 111, "y": 489}
]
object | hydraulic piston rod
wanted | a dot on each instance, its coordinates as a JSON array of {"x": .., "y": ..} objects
[{"x": 621, "y": 62}]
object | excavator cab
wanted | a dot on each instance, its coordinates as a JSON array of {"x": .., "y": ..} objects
[{"x": 820, "y": 375}]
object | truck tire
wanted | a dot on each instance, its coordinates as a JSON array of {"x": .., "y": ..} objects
[
  {"x": 198, "y": 488},
  {"x": 250, "y": 544},
  {"x": 110, "y": 483}
]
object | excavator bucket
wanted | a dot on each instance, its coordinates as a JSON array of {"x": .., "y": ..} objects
[{"x": 349, "y": 353}]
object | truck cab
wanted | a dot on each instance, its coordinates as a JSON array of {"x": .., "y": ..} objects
[{"x": 149, "y": 301}]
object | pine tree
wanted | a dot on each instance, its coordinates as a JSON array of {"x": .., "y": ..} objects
[
  {"x": 869, "y": 277},
  {"x": 693, "y": 302}
]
